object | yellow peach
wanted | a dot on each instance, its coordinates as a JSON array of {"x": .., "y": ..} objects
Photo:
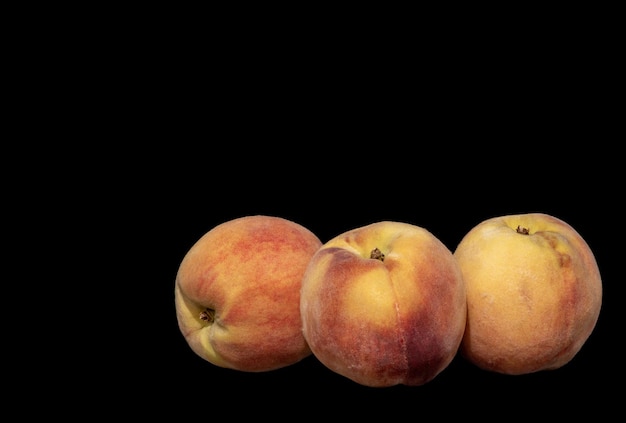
[
  {"x": 534, "y": 293},
  {"x": 384, "y": 304},
  {"x": 237, "y": 293}
]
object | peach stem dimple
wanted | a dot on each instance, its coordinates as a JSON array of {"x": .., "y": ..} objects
[
  {"x": 376, "y": 254},
  {"x": 207, "y": 315}
]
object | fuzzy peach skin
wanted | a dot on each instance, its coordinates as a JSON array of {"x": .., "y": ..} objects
[
  {"x": 237, "y": 293},
  {"x": 534, "y": 293},
  {"x": 394, "y": 317}
]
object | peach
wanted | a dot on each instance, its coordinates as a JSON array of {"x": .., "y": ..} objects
[
  {"x": 384, "y": 304},
  {"x": 237, "y": 293},
  {"x": 534, "y": 293}
]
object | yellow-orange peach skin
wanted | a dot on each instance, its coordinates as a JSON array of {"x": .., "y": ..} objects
[
  {"x": 534, "y": 293},
  {"x": 237, "y": 293},
  {"x": 384, "y": 305}
]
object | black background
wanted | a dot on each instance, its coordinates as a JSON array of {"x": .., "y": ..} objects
[{"x": 146, "y": 135}]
